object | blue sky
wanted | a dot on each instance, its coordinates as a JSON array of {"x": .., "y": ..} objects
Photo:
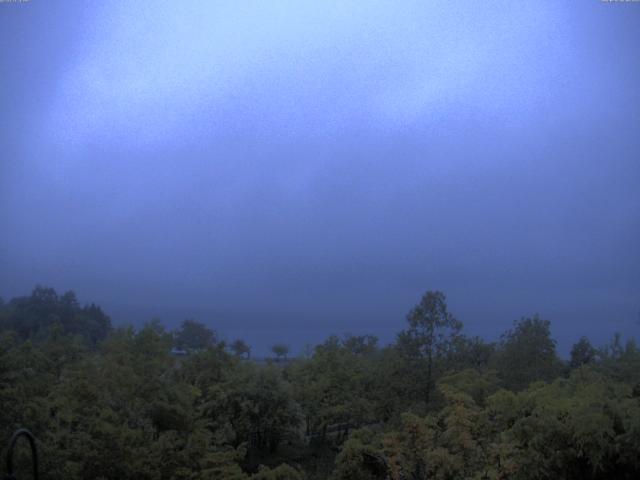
[{"x": 285, "y": 170}]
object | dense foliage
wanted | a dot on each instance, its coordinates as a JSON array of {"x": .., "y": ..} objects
[{"x": 109, "y": 403}]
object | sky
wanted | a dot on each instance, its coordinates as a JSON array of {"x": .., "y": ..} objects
[{"x": 287, "y": 170}]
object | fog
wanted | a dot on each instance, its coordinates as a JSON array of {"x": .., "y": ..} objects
[{"x": 283, "y": 171}]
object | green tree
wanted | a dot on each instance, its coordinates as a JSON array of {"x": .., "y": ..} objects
[
  {"x": 337, "y": 388},
  {"x": 582, "y": 353},
  {"x": 432, "y": 330},
  {"x": 281, "y": 472},
  {"x": 527, "y": 353},
  {"x": 240, "y": 348},
  {"x": 361, "y": 344},
  {"x": 33, "y": 317},
  {"x": 280, "y": 350},
  {"x": 361, "y": 458},
  {"x": 194, "y": 335},
  {"x": 585, "y": 427},
  {"x": 261, "y": 407},
  {"x": 621, "y": 362},
  {"x": 469, "y": 353}
]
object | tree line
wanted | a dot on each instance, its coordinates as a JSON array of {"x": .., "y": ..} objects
[{"x": 150, "y": 403}]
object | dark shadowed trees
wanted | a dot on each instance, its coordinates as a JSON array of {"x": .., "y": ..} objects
[
  {"x": 469, "y": 352},
  {"x": 582, "y": 353},
  {"x": 361, "y": 344},
  {"x": 432, "y": 330},
  {"x": 194, "y": 335},
  {"x": 34, "y": 316},
  {"x": 240, "y": 348},
  {"x": 527, "y": 353},
  {"x": 280, "y": 350},
  {"x": 127, "y": 408},
  {"x": 339, "y": 387}
]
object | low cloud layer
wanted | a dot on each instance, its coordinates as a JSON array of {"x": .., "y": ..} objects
[{"x": 291, "y": 170}]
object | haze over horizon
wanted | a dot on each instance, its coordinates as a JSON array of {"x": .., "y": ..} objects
[{"x": 290, "y": 170}]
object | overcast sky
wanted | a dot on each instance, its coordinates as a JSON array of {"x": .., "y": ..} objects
[{"x": 285, "y": 170}]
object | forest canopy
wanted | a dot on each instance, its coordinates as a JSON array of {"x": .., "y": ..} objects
[{"x": 148, "y": 403}]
